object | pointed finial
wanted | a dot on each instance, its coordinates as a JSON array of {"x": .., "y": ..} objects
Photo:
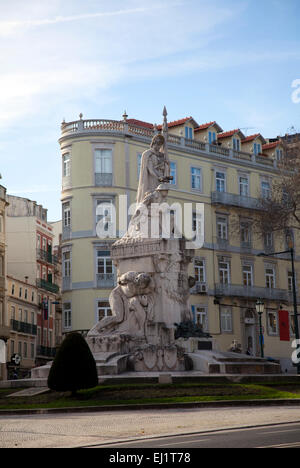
[
  {"x": 125, "y": 116},
  {"x": 165, "y": 113},
  {"x": 80, "y": 115}
]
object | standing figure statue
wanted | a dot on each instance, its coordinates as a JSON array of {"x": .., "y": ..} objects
[{"x": 155, "y": 168}]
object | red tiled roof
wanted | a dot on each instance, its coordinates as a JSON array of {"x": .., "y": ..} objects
[
  {"x": 205, "y": 126},
  {"x": 140, "y": 123},
  {"x": 228, "y": 134},
  {"x": 271, "y": 145},
  {"x": 250, "y": 138},
  {"x": 176, "y": 123}
]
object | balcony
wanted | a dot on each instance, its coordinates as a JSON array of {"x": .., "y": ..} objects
[
  {"x": 45, "y": 351},
  {"x": 231, "y": 199},
  {"x": 51, "y": 287},
  {"x": 255, "y": 292},
  {"x": 103, "y": 180},
  {"x": 23, "y": 327},
  {"x": 46, "y": 257},
  {"x": 106, "y": 280}
]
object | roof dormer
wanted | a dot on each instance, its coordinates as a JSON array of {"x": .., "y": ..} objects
[
  {"x": 253, "y": 144},
  {"x": 184, "y": 127},
  {"x": 208, "y": 132},
  {"x": 274, "y": 150},
  {"x": 232, "y": 139}
]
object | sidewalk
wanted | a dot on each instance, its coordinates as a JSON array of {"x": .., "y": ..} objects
[{"x": 82, "y": 429}]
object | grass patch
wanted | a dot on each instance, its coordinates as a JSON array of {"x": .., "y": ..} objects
[{"x": 151, "y": 393}]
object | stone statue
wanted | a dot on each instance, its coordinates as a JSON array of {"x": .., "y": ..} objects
[
  {"x": 130, "y": 303},
  {"x": 155, "y": 168}
]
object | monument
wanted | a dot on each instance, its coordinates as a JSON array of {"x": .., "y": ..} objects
[{"x": 152, "y": 294}]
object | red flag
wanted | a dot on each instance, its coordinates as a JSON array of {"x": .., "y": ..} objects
[{"x": 284, "y": 325}]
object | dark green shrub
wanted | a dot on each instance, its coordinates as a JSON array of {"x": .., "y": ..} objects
[{"x": 74, "y": 367}]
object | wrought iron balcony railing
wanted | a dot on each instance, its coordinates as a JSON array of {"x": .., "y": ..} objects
[
  {"x": 23, "y": 327},
  {"x": 43, "y": 284}
]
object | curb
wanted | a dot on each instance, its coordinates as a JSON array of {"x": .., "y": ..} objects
[{"x": 159, "y": 406}]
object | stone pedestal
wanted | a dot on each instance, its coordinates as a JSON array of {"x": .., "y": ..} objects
[{"x": 151, "y": 297}]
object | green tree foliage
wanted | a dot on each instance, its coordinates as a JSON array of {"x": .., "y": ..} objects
[{"x": 74, "y": 367}]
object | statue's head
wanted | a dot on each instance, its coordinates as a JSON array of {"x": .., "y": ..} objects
[
  {"x": 158, "y": 141},
  {"x": 142, "y": 280}
]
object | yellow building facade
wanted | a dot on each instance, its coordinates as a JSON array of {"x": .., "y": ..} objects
[{"x": 227, "y": 172}]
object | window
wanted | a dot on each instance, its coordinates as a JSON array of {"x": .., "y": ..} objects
[
  {"x": 199, "y": 266},
  {"x": 26, "y": 316},
  {"x": 20, "y": 348},
  {"x": 104, "y": 265},
  {"x": 66, "y": 165},
  {"x": 32, "y": 353},
  {"x": 1, "y": 223},
  {"x": 173, "y": 173},
  {"x": 270, "y": 277},
  {"x": 196, "y": 178},
  {"x": 222, "y": 228},
  {"x": 20, "y": 292},
  {"x": 268, "y": 240},
  {"x": 245, "y": 234},
  {"x": 236, "y": 144},
  {"x": 103, "y": 161},
  {"x": 25, "y": 350},
  {"x": 212, "y": 137},
  {"x": 38, "y": 241},
  {"x": 67, "y": 315},
  {"x": 32, "y": 296},
  {"x": 272, "y": 323},
  {"x": 226, "y": 320},
  {"x": 189, "y": 133},
  {"x": 248, "y": 275},
  {"x": 224, "y": 272},
  {"x": 66, "y": 264},
  {"x": 66, "y": 215},
  {"x": 201, "y": 318},
  {"x": 20, "y": 315},
  {"x": 12, "y": 347},
  {"x": 32, "y": 318},
  {"x": 103, "y": 310},
  {"x": 13, "y": 312},
  {"x": 26, "y": 294},
  {"x": 265, "y": 189},
  {"x": 220, "y": 182},
  {"x": 244, "y": 186},
  {"x": 256, "y": 148},
  {"x": 12, "y": 289}
]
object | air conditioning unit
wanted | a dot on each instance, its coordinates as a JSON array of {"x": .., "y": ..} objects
[{"x": 201, "y": 288}]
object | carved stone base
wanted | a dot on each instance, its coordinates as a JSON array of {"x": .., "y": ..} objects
[{"x": 158, "y": 359}]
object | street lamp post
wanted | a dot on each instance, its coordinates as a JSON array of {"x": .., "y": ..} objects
[{"x": 260, "y": 307}]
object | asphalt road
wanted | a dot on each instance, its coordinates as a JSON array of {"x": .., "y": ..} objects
[{"x": 269, "y": 436}]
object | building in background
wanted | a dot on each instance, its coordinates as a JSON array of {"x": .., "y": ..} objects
[
  {"x": 228, "y": 172},
  {"x": 23, "y": 311},
  {"x": 31, "y": 260},
  {"x": 4, "y": 325}
]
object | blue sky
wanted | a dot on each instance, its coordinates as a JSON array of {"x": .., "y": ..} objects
[{"x": 232, "y": 61}]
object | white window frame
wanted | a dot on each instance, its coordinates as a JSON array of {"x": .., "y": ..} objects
[
  {"x": 197, "y": 177},
  {"x": 67, "y": 315},
  {"x": 201, "y": 311},
  {"x": 220, "y": 181},
  {"x": 247, "y": 274},
  {"x": 224, "y": 272},
  {"x": 222, "y": 228},
  {"x": 200, "y": 270},
  {"x": 270, "y": 278},
  {"x": 272, "y": 332},
  {"x": 106, "y": 309},
  {"x": 226, "y": 319}
]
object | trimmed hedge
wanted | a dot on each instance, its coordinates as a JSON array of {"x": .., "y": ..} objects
[{"x": 74, "y": 367}]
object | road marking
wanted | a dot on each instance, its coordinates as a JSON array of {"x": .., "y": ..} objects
[
  {"x": 281, "y": 432},
  {"x": 182, "y": 442},
  {"x": 287, "y": 445}
]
